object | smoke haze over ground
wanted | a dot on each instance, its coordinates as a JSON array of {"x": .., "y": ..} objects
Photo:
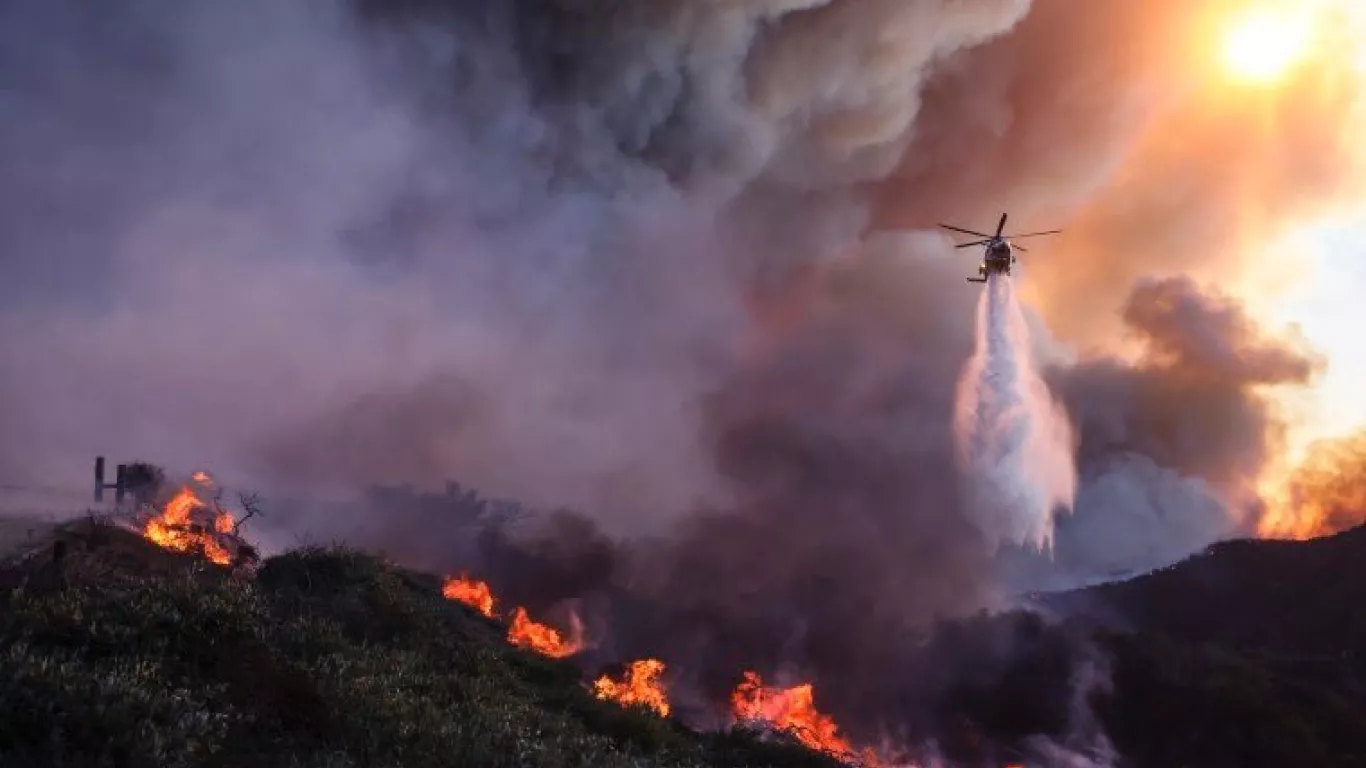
[{"x": 638, "y": 260}]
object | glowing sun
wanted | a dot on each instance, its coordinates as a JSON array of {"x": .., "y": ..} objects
[{"x": 1263, "y": 46}]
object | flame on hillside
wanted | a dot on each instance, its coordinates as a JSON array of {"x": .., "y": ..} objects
[
  {"x": 1324, "y": 494},
  {"x": 523, "y": 631},
  {"x": 472, "y": 592},
  {"x": 793, "y": 710},
  {"x": 544, "y": 639},
  {"x": 640, "y": 687},
  {"x": 188, "y": 524}
]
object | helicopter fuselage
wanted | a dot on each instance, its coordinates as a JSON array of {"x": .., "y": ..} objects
[{"x": 997, "y": 260}]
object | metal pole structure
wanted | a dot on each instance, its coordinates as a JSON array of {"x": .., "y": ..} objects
[{"x": 99, "y": 479}]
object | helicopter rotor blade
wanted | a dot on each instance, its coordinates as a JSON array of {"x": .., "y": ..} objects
[
  {"x": 1035, "y": 234},
  {"x": 965, "y": 231},
  {"x": 1001, "y": 226},
  {"x": 969, "y": 245},
  {"x": 1019, "y": 247}
]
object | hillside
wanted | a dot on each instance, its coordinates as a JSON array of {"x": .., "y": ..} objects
[
  {"x": 1306, "y": 598},
  {"x": 127, "y": 656},
  {"x": 1250, "y": 653},
  {"x": 122, "y": 654}
]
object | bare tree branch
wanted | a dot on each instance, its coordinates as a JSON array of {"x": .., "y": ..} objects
[{"x": 250, "y": 503}]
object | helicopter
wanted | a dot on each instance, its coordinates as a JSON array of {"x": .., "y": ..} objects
[{"x": 1000, "y": 251}]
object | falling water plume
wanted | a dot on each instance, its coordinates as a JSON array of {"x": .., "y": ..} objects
[{"x": 1014, "y": 441}]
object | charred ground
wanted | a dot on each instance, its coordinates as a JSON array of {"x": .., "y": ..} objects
[{"x": 122, "y": 654}]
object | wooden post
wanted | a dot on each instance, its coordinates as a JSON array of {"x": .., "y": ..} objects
[{"x": 99, "y": 478}]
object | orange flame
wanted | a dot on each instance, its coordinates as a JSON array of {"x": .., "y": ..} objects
[
  {"x": 1324, "y": 494},
  {"x": 522, "y": 631},
  {"x": 174, "y": 528},
  {"x": 544, "y": 639},
  {"x": 794, "y": 710},
  {"x": 640, "y": 687},
  {"x": 472, "y": 592}
]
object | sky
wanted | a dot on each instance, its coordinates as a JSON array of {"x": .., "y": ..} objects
[
  {"x": 1329, "y": 309},
  {"x": 1312, "y": 277}
]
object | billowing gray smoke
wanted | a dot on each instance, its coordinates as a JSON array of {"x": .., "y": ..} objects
[
  {"x": 1172, "y": 445},
  {"x": 610, "y": 256}
]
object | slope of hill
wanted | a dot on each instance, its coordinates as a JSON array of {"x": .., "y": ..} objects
[
  {"x": 1251, "y": 653},
  {"x": 1302, "y": 598},
  {"x": 123, "y": 655}
]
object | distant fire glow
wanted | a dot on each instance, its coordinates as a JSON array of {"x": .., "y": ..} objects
[{"x": 1322, "y": 495}]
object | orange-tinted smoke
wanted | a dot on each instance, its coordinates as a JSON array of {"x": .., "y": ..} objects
[
  {"x": 641, "y": 687},
  {"x": 1324, "y": 494},
  {"x": 545, "y": 640},
  {"x": 472, "y": 592},
  {"x": 1120, "y": 124},
  {"x": 794, "y": 710}
]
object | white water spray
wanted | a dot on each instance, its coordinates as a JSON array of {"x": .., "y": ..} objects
[{"x": 1014, "y": 440}]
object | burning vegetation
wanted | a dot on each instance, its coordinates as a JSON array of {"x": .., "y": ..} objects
[
  {"x": 523, "y": 631},
  {"x": 793, "y": 710},
  {"x": 790, "y": 710},
  {"x": 640, "y": 687},
  {"x": 544, "y": 639},
  {"x": 472, "y": 592},
  {"x": 787, "y": 710},
  {"x": 192, "y": 524}
]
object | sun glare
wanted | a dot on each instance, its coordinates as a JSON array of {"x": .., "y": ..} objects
[{"x": 1264, "y": 45}]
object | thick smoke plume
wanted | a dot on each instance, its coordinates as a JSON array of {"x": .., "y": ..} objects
[{"x": 1013, "y": 438}]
